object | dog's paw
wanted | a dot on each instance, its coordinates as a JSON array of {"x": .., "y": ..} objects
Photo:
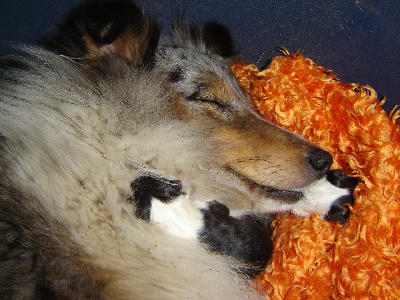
[
  {"x": 161, "y": 201},
  {"x": 246, "y": 238},
  {"x": 340, "y": 211},
  {"x": 339, "y": 179},
  {"x": 329, "y": 197},
  {"x": 149, "y": 186}
]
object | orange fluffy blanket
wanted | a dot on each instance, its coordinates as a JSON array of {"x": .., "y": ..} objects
[{"x": 313, "y": 258}]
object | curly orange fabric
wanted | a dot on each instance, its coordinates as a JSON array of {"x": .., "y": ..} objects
[{"x": 313, "y": 258}]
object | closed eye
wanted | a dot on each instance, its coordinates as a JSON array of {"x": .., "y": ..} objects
[{"x": 207, "y": 97}]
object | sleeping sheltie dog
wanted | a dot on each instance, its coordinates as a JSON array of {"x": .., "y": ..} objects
[{"x": 133, "y": 165}]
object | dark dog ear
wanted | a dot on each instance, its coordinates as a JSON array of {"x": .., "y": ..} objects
[
  {"x": 98, "y": 29},
  {"x": 218, "y": 39},
  {"x": 210, "y": 37}
]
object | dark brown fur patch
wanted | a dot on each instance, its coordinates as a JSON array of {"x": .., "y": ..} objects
[
  {"x": 37, "y": 258},
  {"x": 126, "y": 45},
  {"x": 95, "y": 30}
]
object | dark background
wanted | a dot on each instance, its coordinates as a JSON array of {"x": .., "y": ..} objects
[{"x": 358, "y": 40}]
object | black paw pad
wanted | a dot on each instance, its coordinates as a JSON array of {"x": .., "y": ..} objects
[
  {"x": 340, "y": 209},
  {"x": 149, "y": 186},
  {"x": 339, "y": 179}
]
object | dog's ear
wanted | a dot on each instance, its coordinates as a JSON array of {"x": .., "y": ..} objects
[
  {"x": 98, "y": 29},
  {"x": 217, "y": 38},
  {"x": 210, "y": 37}
]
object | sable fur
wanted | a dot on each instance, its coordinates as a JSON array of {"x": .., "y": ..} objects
[
  {"x": 98, "y": 106},
  {"x": 112, "y": 244}
]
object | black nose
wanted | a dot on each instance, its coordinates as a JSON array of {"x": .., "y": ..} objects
[{"x": 321, "y": 161}]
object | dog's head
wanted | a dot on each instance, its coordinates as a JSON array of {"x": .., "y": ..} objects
[{"x": 236, "y": 148}]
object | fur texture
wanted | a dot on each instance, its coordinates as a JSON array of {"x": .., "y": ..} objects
[{"x": 104, "y": 103}]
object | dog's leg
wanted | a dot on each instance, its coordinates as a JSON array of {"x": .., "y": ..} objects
[
  {"x": 329, "y": 197},
  {"x": 246, "y": 238}
]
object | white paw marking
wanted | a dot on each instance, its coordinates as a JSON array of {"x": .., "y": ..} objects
[
  {"x": 318, "y": 198},
  {"x": 181, "y": 218}
]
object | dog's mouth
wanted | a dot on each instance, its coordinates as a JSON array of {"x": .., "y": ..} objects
[{"x": 283, "y": 195}]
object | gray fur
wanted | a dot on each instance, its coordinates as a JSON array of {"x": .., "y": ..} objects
[
  {"x": 71, "y": 147},
  {"x": 75, "y": 135}
]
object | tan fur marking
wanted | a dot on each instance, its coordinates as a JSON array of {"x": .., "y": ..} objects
[
  {"x": 217, "y": 89},
  {"x": 264, "y": 154}
]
